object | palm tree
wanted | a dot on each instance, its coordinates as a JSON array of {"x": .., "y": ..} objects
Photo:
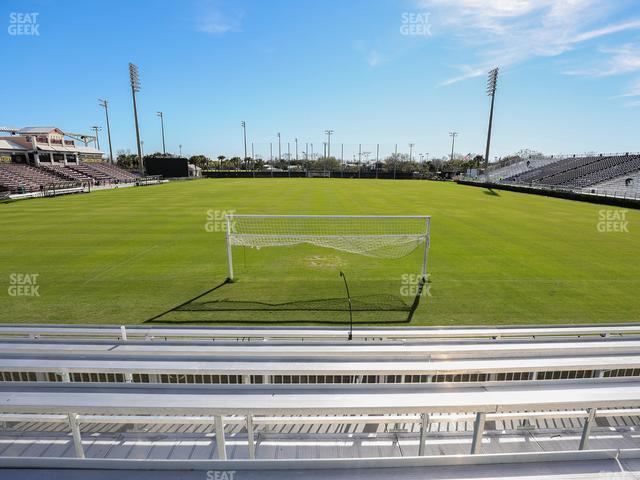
[{"x": 220, "y": 159}]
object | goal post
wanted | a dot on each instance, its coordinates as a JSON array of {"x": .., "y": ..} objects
[{"x": 377, "y": 236}]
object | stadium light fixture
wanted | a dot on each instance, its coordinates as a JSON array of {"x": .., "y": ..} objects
[
  {"x": 243, "y": 124},
  {"x": 161, "y": 115},
  {"x": 453, "y": 136},
  {"x": 492, "y": 82},
  {"x": 105, "y": 104},
  {"x": 279, "y": 148},
  {"x": 96, "y": 129},
  {"x": 134, "y": 77},
  {"x": 329, "y": 133}
]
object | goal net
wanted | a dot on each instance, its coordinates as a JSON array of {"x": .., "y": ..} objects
[
  {"x": 372, "y": 236},
  {"x": 319, "y": 174}
]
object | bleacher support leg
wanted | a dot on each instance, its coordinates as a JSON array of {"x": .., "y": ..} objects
[
  {"x": 424, "y": 429},
  {"x": 478, "y": 430},
  {"x": 75, "y": 432},
  {"x": 250, "y": 438},
  {"x": 220, "y": 441},
  {"x": 584, "y": 440}
]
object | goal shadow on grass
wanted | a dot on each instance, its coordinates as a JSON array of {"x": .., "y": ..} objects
[{"x": 216, "y": 305}]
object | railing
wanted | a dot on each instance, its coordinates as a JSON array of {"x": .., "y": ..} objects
[
  {"x": 588, "y": 191},
  {"x": 143, "y": 332},
  {"x": 302, "y": 405},
  {"x": 120, "y": 368}
]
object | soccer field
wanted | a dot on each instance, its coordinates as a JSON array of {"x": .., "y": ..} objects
[{"x": 157, "y": 254}]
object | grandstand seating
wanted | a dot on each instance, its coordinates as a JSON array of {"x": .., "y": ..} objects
[
  {"x": 520, "y": 167},
  {"x": 426, "y": 393},
  {"x": 18, "y": 177},
  {"x": 114, "y": 172},
  {"x": 627, "y": 183},
  {"x": 69, "y": 173},
  {"x": 25, "y": 178},
  {"x": 580, "y": 172}
]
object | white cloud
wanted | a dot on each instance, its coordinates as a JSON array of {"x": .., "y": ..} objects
[
  {"x": 213, "y": 21},
  {"x": 371, "y": 56},
  {"x": 506, "y": 32}
]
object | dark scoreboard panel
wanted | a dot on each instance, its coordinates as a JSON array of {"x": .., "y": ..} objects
[{"x": 167, "y": 167}]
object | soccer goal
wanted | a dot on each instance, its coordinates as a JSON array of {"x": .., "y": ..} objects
[
  {"x": 372, "y": 236},
  {"x": 319, "y": 174}
]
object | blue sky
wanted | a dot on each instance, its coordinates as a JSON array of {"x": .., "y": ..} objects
[{"x": 570, "y": 79}]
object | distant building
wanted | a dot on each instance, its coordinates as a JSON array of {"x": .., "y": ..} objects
[{"x": 46, "y": 146}]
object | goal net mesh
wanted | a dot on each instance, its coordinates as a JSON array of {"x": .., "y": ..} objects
[{"x": 380, "y": 237}]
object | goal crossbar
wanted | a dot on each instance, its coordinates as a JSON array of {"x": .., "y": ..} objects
[{"x": 378, "y": 236}]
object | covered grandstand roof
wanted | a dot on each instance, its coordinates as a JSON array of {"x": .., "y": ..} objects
[
  {"x": 40, "y": 130},
  {"x": 6, "y": 144}
]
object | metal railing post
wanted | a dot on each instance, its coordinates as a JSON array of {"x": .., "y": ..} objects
[
  {"x": 220, "y": 441},
  {"x": 250, "y": 438},
  {"x": 478, "y": 430},
  {"x": 75, "y": 432},
  {"x": 584, "y": 440},
  {"x": 424, "y": 429}
]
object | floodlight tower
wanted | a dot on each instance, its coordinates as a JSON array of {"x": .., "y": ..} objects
[
  {"x": 279, "y": 148},
  {"x": 161, "y": 115},
  {"x": 134, "y": 76},
  {"x": 105, "y": 104},
  {"x": 492, "y": 82},
  {"x": 243, "y": 124},
  {"x": 96, "y": 129},
  {"x": 329, "y": 133},
  {"x": 453, "y": 136},
  {"x": 411, "y": 145}
]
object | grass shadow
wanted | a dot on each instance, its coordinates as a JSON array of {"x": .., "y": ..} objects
[
  {"x": 367, "y": 309},
  {"x": 490, "y": 191}
]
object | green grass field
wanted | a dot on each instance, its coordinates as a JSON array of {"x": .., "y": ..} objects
[{"x": 130, "y": 255}]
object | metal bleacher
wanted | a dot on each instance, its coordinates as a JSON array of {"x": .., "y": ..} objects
[
  {"x": 580, "y": 172},
  {"x": 272, "y": 398}
]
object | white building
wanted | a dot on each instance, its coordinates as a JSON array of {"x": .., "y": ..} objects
[{"x": 46, "y": 146}]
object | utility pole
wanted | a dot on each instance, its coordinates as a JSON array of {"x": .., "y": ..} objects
[
  {"x": 296, "y": 140},
  {"x": 134, "y": 76},
  {"x": 492, "y": 82},
  {"x": 453, "y": 136},
  {"x": 161, "y": 115},
  {"x": 329, "y": 133},
  {"x": 395, "y": 161},
  {"x": 96, "y": 129},
  {"x": 244, "y": 134},
  {"x": 105, "y": 104},
  {"x": 279, "y": 148}
]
